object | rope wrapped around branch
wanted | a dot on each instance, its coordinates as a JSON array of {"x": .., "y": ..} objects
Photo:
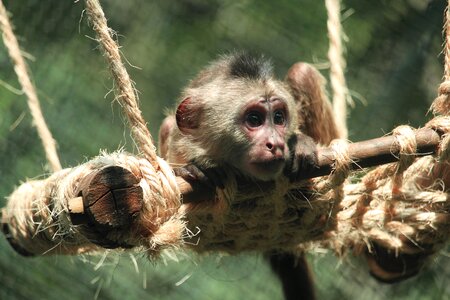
[{"x": 132, "y": 202}]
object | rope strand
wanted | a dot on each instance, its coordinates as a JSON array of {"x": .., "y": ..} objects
[
  {"x": 21, "y": 70},
  {"x": 441, "y": 105},
  {"x": 126, "y": 93},
  {"x": 447, "y": 43},
  {"x": 337, "y": 66}
]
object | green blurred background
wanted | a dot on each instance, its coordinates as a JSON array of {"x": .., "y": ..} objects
[{"x": 394, "y": 65}]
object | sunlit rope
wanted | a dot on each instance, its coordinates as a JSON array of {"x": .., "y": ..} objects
[
  {"x": 337, "y": 66},
  {"x": 126, "y": 94}
]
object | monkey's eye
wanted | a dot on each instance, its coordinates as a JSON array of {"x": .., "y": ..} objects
[
  {"x": 254, "y": 119},
  {"x": 279, "y": 118}
]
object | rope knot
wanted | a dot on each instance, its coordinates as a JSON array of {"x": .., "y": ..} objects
[
  {"x": 160, "y": 222},
  {"x": 341, "y": 167},
  {"x": 341, "y": 164},
  {"x": 444, "y": 88},
  {"x": 441, "y": 124},
  {"x": 441, "y": 105},
  {"x": 406, "y": 140}
]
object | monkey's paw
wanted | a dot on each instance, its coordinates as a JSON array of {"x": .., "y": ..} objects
[
  {"x": 303, "y": 159},
  {"x": 210, "y": 177}
]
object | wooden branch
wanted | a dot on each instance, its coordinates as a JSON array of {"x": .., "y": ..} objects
[
  {"x": 375, "y": 152},
  {"x": 108, "y": 201},
  {"x": 363, "y": 154}
]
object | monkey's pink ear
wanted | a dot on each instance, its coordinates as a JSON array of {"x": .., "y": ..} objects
[{"x": 188, "y": 115}]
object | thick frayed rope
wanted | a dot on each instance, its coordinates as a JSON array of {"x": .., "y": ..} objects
[
  {"x": 126, "y": 93},
  {"x": 337, "y": 66},
  {"x": 38, "y": 218},
  {"x": 21, "y": 70},
  {"x": 442, "y": 125},
  {"x": 390, "y": 207},
  {"x": 406, "y": 141}
]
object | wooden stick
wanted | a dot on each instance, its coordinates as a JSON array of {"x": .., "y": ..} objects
[
  {"x": 109, "y": 198},
  {"x": 364, "y": 154},
  {"x": 375, "y": 152}
]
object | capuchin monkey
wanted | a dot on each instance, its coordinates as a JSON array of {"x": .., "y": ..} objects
[{"x": 235, "y": 115}]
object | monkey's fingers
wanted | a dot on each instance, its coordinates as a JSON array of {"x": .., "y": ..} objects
[
  {"x": 309, "y": 162},
  {"x": 303, "y": 161},
  {"x": 391, "y": 267},
  {"x": 301, "y": 165},
  {"x": 193, "y": 174}
]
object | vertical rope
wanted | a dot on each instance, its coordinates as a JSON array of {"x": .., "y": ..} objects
[
  {"x": 21, "y": 70},
  {"x": 447, "y": 43},
  {"x": 441, "y": 105},
  {"x": 126, "y": 93},
  {"x": 337, "y": 66}
]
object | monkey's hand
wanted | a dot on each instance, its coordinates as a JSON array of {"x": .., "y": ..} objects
[
  {"x": 194, "y": 174},
  {"x": 303, "y": 156}
]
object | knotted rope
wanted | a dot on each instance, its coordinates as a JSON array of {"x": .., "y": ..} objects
[{"x": 39, "y": 222}]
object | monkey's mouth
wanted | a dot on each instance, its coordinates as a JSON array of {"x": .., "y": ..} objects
[{"x": 267, "y": 169}]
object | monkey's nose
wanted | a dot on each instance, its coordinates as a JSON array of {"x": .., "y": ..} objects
[{"x": 277, "y": 149}]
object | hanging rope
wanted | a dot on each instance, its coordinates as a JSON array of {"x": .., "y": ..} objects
[
  {"x": 337, "y": 66},
  {"x": 446, "y": 50},
  {"x": 126, "y": 94},
  {"x": 28, "y": 88},
  {"x": 442, "y": 103}
]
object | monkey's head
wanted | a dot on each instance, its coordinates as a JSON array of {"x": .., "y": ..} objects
[
  {"x": 265, "y": 122},
  {"x": 235, "y": 113}
]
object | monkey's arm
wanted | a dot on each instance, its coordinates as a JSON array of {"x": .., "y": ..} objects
[
  {"x": 294, "y": 274},
  {"x": 313, "y": 107}
]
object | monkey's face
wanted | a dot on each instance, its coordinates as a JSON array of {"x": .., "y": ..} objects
[{"x": 265, "y": 123}]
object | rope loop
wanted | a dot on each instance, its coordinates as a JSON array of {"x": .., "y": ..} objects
[
  {"x": 341, "y": 167},
  {"x": 441, "y": 124},
  {"x": 406, "y": 140}
]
